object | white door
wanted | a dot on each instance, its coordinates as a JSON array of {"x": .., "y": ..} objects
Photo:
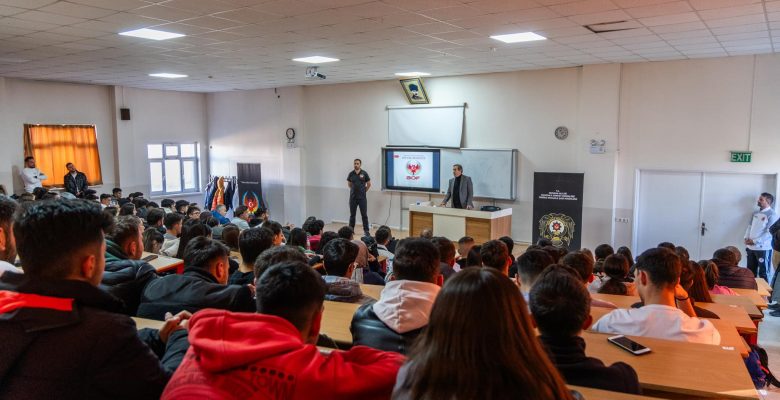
[
  {"x": 728, "y": 203},
  {"x": 668, "y": 209}
]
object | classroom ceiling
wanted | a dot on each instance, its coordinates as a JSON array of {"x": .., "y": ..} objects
[{"x": 249, "y": 44}]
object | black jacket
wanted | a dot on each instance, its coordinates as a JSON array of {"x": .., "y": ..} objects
[
  {"x": 72, "y": 343},
  {"x": 568, "y": 355},
  {"x": 242, "y": 278},
  {"x": 446, "y": 270},
  {"x": 125, "y": 278},
  {"x": 735, "y": 277},
  {"x": 775, "y": 231},
  {"x": 368, "y": 330},
  {"x": 192, "y": 291},
  {"x": 76, "y": 186}
]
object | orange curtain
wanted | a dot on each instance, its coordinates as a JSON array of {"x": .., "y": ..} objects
[{"x": 53, "y": 146}]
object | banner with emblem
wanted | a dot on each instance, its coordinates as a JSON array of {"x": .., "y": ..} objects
[
  {"x": 558, "y": 208},
  {"x": 250, "y": 191}
]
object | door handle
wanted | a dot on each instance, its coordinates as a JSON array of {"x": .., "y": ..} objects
[{"x": 703, "y": 228}]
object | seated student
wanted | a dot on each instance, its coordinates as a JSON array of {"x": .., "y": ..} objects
[
  {"x": 474, "y": 258},
  {"x": 464, "y": 246},
  {"x": 584, "y": 267},
  {"x": 62, "y": 336},
  {"x": 241, "y": 217},
  {"x": 615, "y": 280},
  {"x": 220, "y": 213},
  {"x": 711, "y": 275},
  {"x": 395, "y": 321},
  {"x": 560, "y": 306},
  {"x": 383, "y": 236},
  {"x": 126, "y": 274},
  {"x": 446, "y": 256},
  {"x": 202, "y": 285},
  {"x": 153, "y": 240},
  {"x": 181, "y": 207},
  {"x": 510, "y": 245},
  {"x": 314, "y": 231},
  {"x": 251, "y": 243},
  {"x": 494, "y": 254},
  {"x": 667, "y": 245},
  {"x": 338, "y": 263},
  {"x": 299, "y": 239},
  {"x": 192, "y": 228},
  {"x": 730, "y": 274},
  {"x": 459, "y": 349},
  {"x": 155, "y": 218},
  {"x": 695, "y": 284},
  {"x": 557, "y": 253},
  {"x": 657, "y": 280},
  {"x": 230, "y": 234},
  {"x": 8, "y": 208},
  {"x": 168, "y": 205},
  {"x": 601, "y": 252},
  {"x": 193, "y": 212},
  {"x": 231, "y": 356},
  {"x": 173, "y": 225},
  {"x": 105, "y": 200},
  {"x": 127, "y": 209},
  {"x": 529, "y": 265},
  {"x": 276, "y": 228}
]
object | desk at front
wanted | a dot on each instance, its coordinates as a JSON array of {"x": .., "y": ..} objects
[{"x": 454, "y": 223}]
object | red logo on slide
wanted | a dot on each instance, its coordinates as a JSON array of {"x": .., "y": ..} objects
[{"x": 413, "y": 166}]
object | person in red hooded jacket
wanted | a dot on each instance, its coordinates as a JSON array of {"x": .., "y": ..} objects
[{"x": 271, "y": 354}]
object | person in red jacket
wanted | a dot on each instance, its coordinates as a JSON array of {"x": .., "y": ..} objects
[{"x": 271, "y": 354}]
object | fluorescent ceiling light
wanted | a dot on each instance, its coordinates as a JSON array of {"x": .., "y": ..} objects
[
  {"x": 167, "y": 75},
  {"x": 316, "y": 59},
  {"x": 153, "y": 34},
  {"x": 412, "y": 74},
  {"x": 519, "y": 37}
]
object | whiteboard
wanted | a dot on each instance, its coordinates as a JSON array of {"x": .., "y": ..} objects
[
  {"x": 492, "y": 171},
  {"x": 440, "y": 126}
]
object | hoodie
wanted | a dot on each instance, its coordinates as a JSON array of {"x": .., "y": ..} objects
[
  {"x": 259, "y": 356},
  {"x": 344, "y": 290},
  {"x": 395, "y": 321}
]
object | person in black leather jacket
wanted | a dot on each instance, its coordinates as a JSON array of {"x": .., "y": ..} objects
[{"x": 401, "y": 314}]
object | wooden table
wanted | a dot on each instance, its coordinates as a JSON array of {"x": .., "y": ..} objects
[
  {"x": 593, "y": 394},
  {"x": 336, "y": 320},
  {"x": 371, "y": 290},
  {"x": 679, "y": 368},
  {"x": 754, "y": 295},
  {"x": 741, "y": 301},
  {"x": 141, "y": 323},
  {"x": 763, "y": 287},
  {"x": 165, "y": 264}
]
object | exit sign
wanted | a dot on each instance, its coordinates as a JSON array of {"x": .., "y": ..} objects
[{"x": 741, "y": 156}]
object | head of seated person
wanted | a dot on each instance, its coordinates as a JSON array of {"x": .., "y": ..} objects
[
  {"x": 559, "y": 303},
  {"x": 736, "y": 252},
  {"x": 208, "y": 255},
  {"x": 8, "y": 208},
  {"x": 252, "y": 243},
  {"x": 474, "y": 257},
  {"x": 192, "y": 228},
  {"x": 230, "y": 234},
  {"x": 153, "y": 240},
  {"x": 382, "y": 235},
  {"x": 581, "y": 263},
  {"x": 276, "y": 255},
  {"x": 346, "y": 232},
  {"x": 276, "y": 228},
  {"x": 529, "y": 265},
  {"x": 155, "y": 217},
  {"x": 446, "y": 255},
  {"x": 417, "y": 259},
  {"x": 125, "y": 241},
  {"x": 339, "y": 257},
  {"x": 173, "y": 223},
  {"x": 616, "y": 269},
  {"x": 657, "y": 274},
  {"x": 254, "y": 222},
  {"x": 298, "y": 238},
  {"x": 495, "y": 254},
  {"x": 325, "y": 238},
  {"x": 725, "y": 256},
  {"x": 667, "y": 245},
  {"x": 557, "y": 253},
  {"x": 464, "y": 245}
]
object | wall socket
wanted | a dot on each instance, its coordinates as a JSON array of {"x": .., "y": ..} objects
[{"x": 623, "y": 220}]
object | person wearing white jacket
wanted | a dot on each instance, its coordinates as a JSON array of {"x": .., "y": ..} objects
[
  {"x": 31, "y": 176},
  {"x": 758, "y": 239}
]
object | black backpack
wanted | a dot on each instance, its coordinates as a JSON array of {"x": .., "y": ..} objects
[{"x": 763, "y": 359}]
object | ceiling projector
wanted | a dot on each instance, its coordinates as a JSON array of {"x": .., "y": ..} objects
[{"x": 313, "y": 73}]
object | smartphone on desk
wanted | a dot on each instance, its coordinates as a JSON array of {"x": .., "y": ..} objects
[
  {"x": 150, "y": 257},
  {"x": 628, "y": 345}
]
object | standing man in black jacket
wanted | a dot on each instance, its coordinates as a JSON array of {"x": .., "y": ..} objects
[
  {"x": 62, "y": 336},
  {"x": 359, "y": 182},
  {"x": 75, "y": 181}
]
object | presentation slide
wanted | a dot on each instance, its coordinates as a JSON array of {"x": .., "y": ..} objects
[{"x": 412, "y": 169}]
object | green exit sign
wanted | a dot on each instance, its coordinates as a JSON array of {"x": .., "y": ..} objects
[{"x": 741, "y": 156}]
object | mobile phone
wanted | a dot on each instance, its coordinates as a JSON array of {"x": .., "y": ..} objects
[
  {"x": 150, "y": 257},
  {"x": 628, "y": 345}
]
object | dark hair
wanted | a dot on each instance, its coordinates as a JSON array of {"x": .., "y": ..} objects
[
  {"x": 338, "y": 255},
  {"x": 769, "y": 197},
  {"x": 201, "y": 251},
  {"x": 126, "y": 209},
  {"x": 543, "y": 242},
  {"x": 346, "y": 232},
  {"x": 40, "y": 192},
  {"x": 315, "y": 227},
  {"x": 7, "y": 210},
  {"x": 458, "y": 166},
  {"x": 230, "y": 234},
  {"x": 667, "y": 245},
  {"x": 698, "y": 290},
  {"x": 28, "y": 158},
  {"x": 152, "y": 236},
  {"x": 426, "y": 233},
  {"x": 104, "y": 196},
  {"x": 252, "y": 242},
  {"x": 276, "y": 255},
  {"x": 116, "y": 190},
  {"x": 662, "y": 266},
  {"x": 510, "y": 244},
  {"x": 474, "y": 258},
  {"x": 559, "y": 302},
  {"x": 189, "y": 232},
  {"x": 274, "y": 226},
  {"x": 531, "y": 263},
  {"x": 725, "y": 255},
  {"x": 557, "y": 253},
  {"x": 51, "y": 235},
  {"x": 382, "y": 234},
  {"x": 167, "y": 203},
  {"x": 255, "y": 222},
  {"x": 616, "y": 268},
  {"x": 682, "y": 252},
  {"x": 446, "y": 249},
  {"x": 172, "y": 219},
  {"x": 239, "y": 211},
  {"x": 626, "y": 252},
  {"x": 472, "y": 364},
  {"x": 291, "y": 290},
  {"x": 152, "y": 204},
  {"x": 358, "y": 160},
  {"x": 466, "y": 239},
  {"x": 711, "y": 273},
  {"x": 192, "y": 209},
  {"x": 581, "y": 263},
  {"x": 154, "y": 216},
  {"x": 603, "y": 251},
  {"x": 494, "y": 254},
  {"x": 297, "y": 238},
  {"x": 210, "y": 221},
  {"x": 111, "y": 211},
  {"x": 325, "y": 238},
  {"x": 50, "y": 196},
  {"x": 416, "y": 259},
  {"x": 126, "y": 227}
]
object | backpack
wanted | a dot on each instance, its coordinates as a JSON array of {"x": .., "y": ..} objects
[{"x": 758, "y": 367}]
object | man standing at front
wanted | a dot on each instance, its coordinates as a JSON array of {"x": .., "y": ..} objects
[
  {"x": 359, "y": 182},
  {"x": 460, "y": 189},
  {"x": 75, "y": 181},
  {"x": 31, "y": 176},
  {"x": 757, "y": 237}
]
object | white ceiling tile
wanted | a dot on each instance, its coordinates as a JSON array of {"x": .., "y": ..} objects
[
  {"x": 497, "y": 6},
  {"x": 733, "y": 21},
  {"x": 687, "y": 26},
  {"x": 710, "y": 4},
  {"x": 600, "y": 18},
  {"x": 163, "y": 13},
  {"x": 675, "y": 7},
  {"x": 77, "y": 10},
  {"x": 452, "y": 13},
  {"x": 772, "y": 6},
  {"x": 670, "y": 19},
  {"x": 727, "y": 12},
  {"x": 583, "y": 7},
  {"x": 39, "y": 16},
  {"x": 28, "y": 4},
  {"x": 686, "y": 35}
]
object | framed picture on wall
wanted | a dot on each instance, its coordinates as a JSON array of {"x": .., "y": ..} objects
[{"x": 415, "y": 91}]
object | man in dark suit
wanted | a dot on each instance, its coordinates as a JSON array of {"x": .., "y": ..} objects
[
  {"x": 460, "y": 189},
  {"x": 75, "y": 181}
]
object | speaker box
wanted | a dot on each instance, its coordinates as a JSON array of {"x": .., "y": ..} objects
[{"x": 124, "y": 114}]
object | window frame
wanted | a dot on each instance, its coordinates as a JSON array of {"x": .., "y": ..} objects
[{"x": 195, "y": 159}]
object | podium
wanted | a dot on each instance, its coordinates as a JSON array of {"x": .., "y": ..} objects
[{"x": 454, "y": 223}]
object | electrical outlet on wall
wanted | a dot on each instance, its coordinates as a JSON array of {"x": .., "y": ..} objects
[{"x": 623, "y": 220}]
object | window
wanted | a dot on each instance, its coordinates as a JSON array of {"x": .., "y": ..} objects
[
  {"x": 173, "y": 167},
  {"x": 53, "y": 146}
]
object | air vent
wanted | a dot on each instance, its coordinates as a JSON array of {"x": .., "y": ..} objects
[{"x": 613, "y": 26}]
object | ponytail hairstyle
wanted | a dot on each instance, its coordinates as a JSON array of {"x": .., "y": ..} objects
[
  {"x": 699, "y": 291},
  {"x": 711, "y": 273},
  {"x": 616, "y": 268}
]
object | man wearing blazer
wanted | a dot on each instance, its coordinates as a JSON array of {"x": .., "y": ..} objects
[{"x": 460, "y": 189}]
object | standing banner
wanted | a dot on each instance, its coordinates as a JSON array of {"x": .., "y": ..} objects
[
  {"x": 558, "y": 208},
  {"x": 250, "y": 191}
]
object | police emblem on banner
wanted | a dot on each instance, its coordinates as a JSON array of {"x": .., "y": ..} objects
[{"x": 559, "y": 228}]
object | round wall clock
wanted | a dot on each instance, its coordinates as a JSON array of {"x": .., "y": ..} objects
[
  {"x": 290, "y": 133},
  {"x": 561, "y": 132}
]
